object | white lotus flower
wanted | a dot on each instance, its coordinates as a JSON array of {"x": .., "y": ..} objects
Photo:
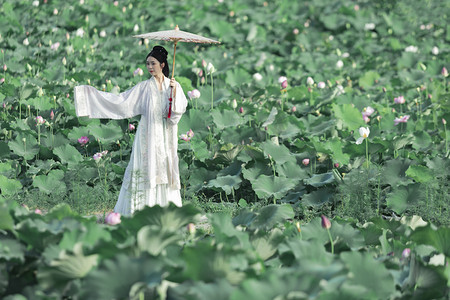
[
  {"x": 257, "y": 77},
  {"x": 80, "y": 32},
  {"x": 364, "y": 133},
  {"x": 26, "y": 42},
  {"x": 321, "y": 85},
  {"x": 35, "y": 3},
  {"x": 102, "y": 33},
  {"x": 309, "y": 81},
  {"x": 282, "y": 79},
  {"x": 412, "y": 49},
  {"x": 369, "y": 26},
  {"x": 339, "y": 64},
  {"x": 136, "y": 28},
  {"x": 435, "y": 50}
]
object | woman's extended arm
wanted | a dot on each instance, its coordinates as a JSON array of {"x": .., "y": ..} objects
[{"x": 97, "y": 104}]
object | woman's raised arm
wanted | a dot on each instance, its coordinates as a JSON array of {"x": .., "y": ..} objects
[{"x": 97, "y": 104}]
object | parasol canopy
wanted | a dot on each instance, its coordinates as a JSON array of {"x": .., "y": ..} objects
[{"x": 176, "y": 35}]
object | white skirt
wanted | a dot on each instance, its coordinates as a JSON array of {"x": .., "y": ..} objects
[{"x": 161, "y": 195}]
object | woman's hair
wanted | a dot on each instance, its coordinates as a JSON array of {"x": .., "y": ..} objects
[{"x": 160, "y": 54}]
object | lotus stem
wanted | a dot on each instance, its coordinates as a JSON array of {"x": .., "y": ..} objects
[
  {"x": 367, "y": 153},
  {"x": 331, "y": 241},
  {"x": 212, "y": 92}
]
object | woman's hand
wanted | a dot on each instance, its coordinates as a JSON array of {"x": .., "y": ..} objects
[{"x": 173, "y": 83}]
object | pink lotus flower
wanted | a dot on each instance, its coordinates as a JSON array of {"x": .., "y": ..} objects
[
  {"x": 2, "y": 80},
  {"x": 190, "y": 133},
  {"x": 406, "y": 253},
  {"x": 131, "y": 127},
  {"x": 325, "y": 222},
  {"x": 295, "y": 31},
  {"x": 40, "y": 120},
  {"x": 83, "y": 140},
  {"x": 366, "y": 119},
  {"x": 305, "y": 161},
  {"x": 116, "y": 3},
  {"x": 97, "y": 156},
  {"x": 55, "y": 46},
  {"x": 187, "y": 136},
  {"x": 112, "y": 218},
  {"x": 444, "y": 72},
  {"x": 368, "y": 111},
  {"x": 104, "y": 152},
  {"x": 399, "y": 100},
  {"x": 194, "y": 94},
  {"x": 402, "y": 119},
  {"x": 282, "y": 79},
  {"x": 138, "y": 71},
  {"x": 284, "y": 84},
  {"x": 38, "y": 211},
  {"x": 294, "y": 108},
  {"x": 336, "y": 165}
]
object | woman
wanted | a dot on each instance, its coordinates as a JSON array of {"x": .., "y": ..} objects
[{"x": 152, "y": 176}]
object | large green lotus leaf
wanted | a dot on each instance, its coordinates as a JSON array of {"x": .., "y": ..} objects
[
  {"x": 306, "y": 253},
  {"x": 258, "y": 169},
  {"x": 153, "y": 240},
  {"x": 114, "y": 278},
  {"x": 439, "y": 238},
  {"x": 236, "y": 77},
  {"x": 226, "y": 183},
  {"x": 226, "y": 118},
  {"x": 439, "y": 165},
  {"x": 5, "y": 152},
  {"x": 285, "y": 126},
  {"x": 292, "y": 170},
  {"x": 318, "y": 198},
  {"x": 89, "y": 233},
  {"x": 345, "y": 236},
  {"x": 318, "y": 180},
  {"x": 41, "y": 103},
  {"x": 370, "y": 274},
  {"x": 350, "y": 116},
  {"x": 76, "y": 132},
  {"x": 21, "y": 125},
  {"x": 66, "y": 267},
  {"x": 394, "y": 172},
  {"x": 9, "y": 186},
  {"x": 266, "y": 244},
  {"x": 280, "y": 153},
  {"x": 408, "y": 60},
  {"x": 50, "y": 183},
  {"x": 425, "y": 281},
  {"x": 6, "y": 221},
  {"x": 420, "y": 173},
  {"x": 200, "y": 149},
  {"x": 227, "y": 155},
  {"x": 57, "y": 140},
  {"x": 220, "y": 289},
  {"x": 267, "y": 186},
  {"x": 403, "y": 197},
  {"x": 422, "y": 141},
  {"x": 68, "y": 154},
  {"x": 169, "y": 218},
  {"x": 298, "y": 92},
  {"x": 207, "y": 262},
  {"x": 268, "y": 216},
  {"x": 251, "y": 153},
  {"x": 335, "y": 147},
  {"x": 27, "y": 149},
  {"x": 226, "y": 232},
  {"x": 196, "y": 120},
  {"x": 271, "y": 117},
  {"x": 108, "y": 133},
  {"x": 11, "y": 249},
  {"x": 368, "y": 79}
]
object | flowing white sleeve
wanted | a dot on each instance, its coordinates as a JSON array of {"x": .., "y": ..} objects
[
  {"x": 97, "y": 104},
  {"x": 178, "y": 105}
]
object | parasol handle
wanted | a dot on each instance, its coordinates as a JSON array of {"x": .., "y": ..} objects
[{"x": 173, "y": 71}]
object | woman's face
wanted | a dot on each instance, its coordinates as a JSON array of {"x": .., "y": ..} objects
[{"x": 154, "y": 67}]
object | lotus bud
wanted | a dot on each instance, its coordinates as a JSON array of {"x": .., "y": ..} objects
[
  {"x": 321, "y": 85},
  {"x": 204, "y": 64},
  {"x": 52, "y": 115},
  {"x": 64, "y": 61},
  {"x": 191, "y": 228},
  {"x": 234, "y": 104},
  {"x": 116, "y": 3},
  {"x": 124, "y": 9},
  {"x": 336, "y": 165},
  {"x": 55, "y": 11},
  {"x": 131, "y": 127},
  {"x": 24, "y": 140},
  {"x": 297, "y": 225},
  {"x": 200, "y": 73},
  {"x": 38, "y": 211},
  {"x": 435, "y": 50},
  {"x": 2, "y": 80},
  {"x": 281, "y": 79},
  {"x": 5, "y": 67},
  {"x": 309, "y": 81},
  {"x": 241, "y": 110},
  {"x": 305, "y": 161},
  {"x": 406, "y": 253},
  {"x": 294, "y": 109},
  {"x": 325, "y": 222},
  {"x": 202, "y": 80},
  {"x": 26, "y": 42},
  {"x": 295, "y": 31},
  {"x": 284, "y": 84},
  {"x": 444, "y": 121},
  {"x": 444, "y": 72}
]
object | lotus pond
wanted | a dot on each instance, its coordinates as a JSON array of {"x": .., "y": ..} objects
[{"x": 306, "y": 109}]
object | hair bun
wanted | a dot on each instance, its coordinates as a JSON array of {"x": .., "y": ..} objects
[{"x": 161, "y": 51}]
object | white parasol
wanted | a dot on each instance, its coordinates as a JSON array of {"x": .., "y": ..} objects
[{"x": 176, "y": 36}]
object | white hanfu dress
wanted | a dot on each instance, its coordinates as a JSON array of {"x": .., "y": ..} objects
[{"x": 152, "y": 176}]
